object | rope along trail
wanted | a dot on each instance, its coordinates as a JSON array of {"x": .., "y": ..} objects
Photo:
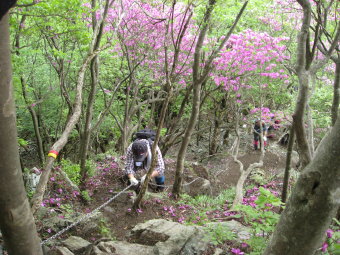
[
  {"x": 168, "y": 186},
  {"x": 89, "y": 215},
  {"x": 85, "y": 217}
]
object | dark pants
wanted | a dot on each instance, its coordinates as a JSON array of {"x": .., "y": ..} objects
[{"x": 257, "y": 142}]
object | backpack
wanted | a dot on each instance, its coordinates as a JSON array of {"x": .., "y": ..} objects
[{"x": 147, "y": 134}]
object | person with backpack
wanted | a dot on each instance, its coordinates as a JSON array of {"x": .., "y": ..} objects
[
  {"x": 138, "y": 160},
  {"x": 259, "y": 127}
]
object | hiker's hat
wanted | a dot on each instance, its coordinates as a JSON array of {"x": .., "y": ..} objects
[{"x": 139, "y": 150}]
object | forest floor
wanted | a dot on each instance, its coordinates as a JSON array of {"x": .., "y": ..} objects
[{"x": 220, "y": 169}]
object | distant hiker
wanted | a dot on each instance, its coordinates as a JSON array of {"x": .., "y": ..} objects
[
  {"x": 259, "y": 127},
  {"x": 138, "y": 160}
]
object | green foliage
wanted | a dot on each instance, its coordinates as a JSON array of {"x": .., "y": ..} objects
[
  {"x": 262, "y": 219},
  {"x": 219, "y": 234},
  {"x": 72, "y": 170},
  {"x": 104, "y": 229},
  {"x": 333, "y": 245},
  {"x": 321, "y": 103},
  {"x": 206, "y": 203},
  {"x": 163, "y": 131},
  {"x": 22, "y": 142},
  {"x": 90, "y": 166},
  {"x": 258, "y": 177},
  {"x": 30, "y": 194},
  {"x": 85, "y": 195},
  {"x": 68, "y": 211}
]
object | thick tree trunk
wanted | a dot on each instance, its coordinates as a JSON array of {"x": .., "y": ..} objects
[
  {"x": 16, "y": 219},
  {"x": 336, "y": 93},
  {"x": 313, "y": 203}
]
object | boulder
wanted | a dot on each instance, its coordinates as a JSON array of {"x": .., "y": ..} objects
[
  {"x": 56, "y": 223},
  {"x": 120, "y": 248},
  {"x": 241, "y": 231},
  {"x": 200, "y": 170},
  {"x": 31, "y": 179},
  {"x": 90, "y": 226},
  {"x": 76, "y": 244},
  {"x": 125, "y": 197},
  {"x": 101, "y": 248},
  {"x": 200, "y": 186},
  {"x": 170, "y": 238},
  {"x": 218, "y": 251},
  {"x": 60, "y": 251}
]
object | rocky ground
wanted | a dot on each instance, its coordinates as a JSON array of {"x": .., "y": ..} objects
[{"x": 116, "y": 220}]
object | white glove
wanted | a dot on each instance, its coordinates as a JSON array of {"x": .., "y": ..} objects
[
  {"x": 133, "y": 181},
  {"x": 265, "y": 138},
  {"x": 142, "y": 179}
]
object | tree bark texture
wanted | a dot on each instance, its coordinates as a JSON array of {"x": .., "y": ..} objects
[
  {"x": 313, "y": 203},
  {"x": 16, "y": 219}
]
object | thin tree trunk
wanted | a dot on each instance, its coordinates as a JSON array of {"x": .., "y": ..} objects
[
  {"x": 16, "y": 220},
  {"x": 142, "y": 192},
  {"x": 244, "y": 173},
  {"x": 336, "y": 93},
  {"x": 74, "y": 118},
  {"x": 312, "y": 204},
  {"x": 198, "y": 80},
  {"x": 186, "y": 139},
  {"x": 84, "y": 145},
  {"x": 304, "y": 77},
  {"x": 288, "y": 165},
  {"x": 24, "y": 94},
  {"x": 310, "y": 130},
  {"x": 215, "y": 135},
  {"x": 60, "y": 143},
  {"x": 35, "y": 123},
  {"x": 298, "y": 118},
  {"x": 304, "y": 69},
  {"x": 197, "y": 83}
]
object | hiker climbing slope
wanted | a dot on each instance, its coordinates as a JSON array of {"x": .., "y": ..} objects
[
  {"x": 259, "y": 127},
  {"x": 138, "y": 160}
]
